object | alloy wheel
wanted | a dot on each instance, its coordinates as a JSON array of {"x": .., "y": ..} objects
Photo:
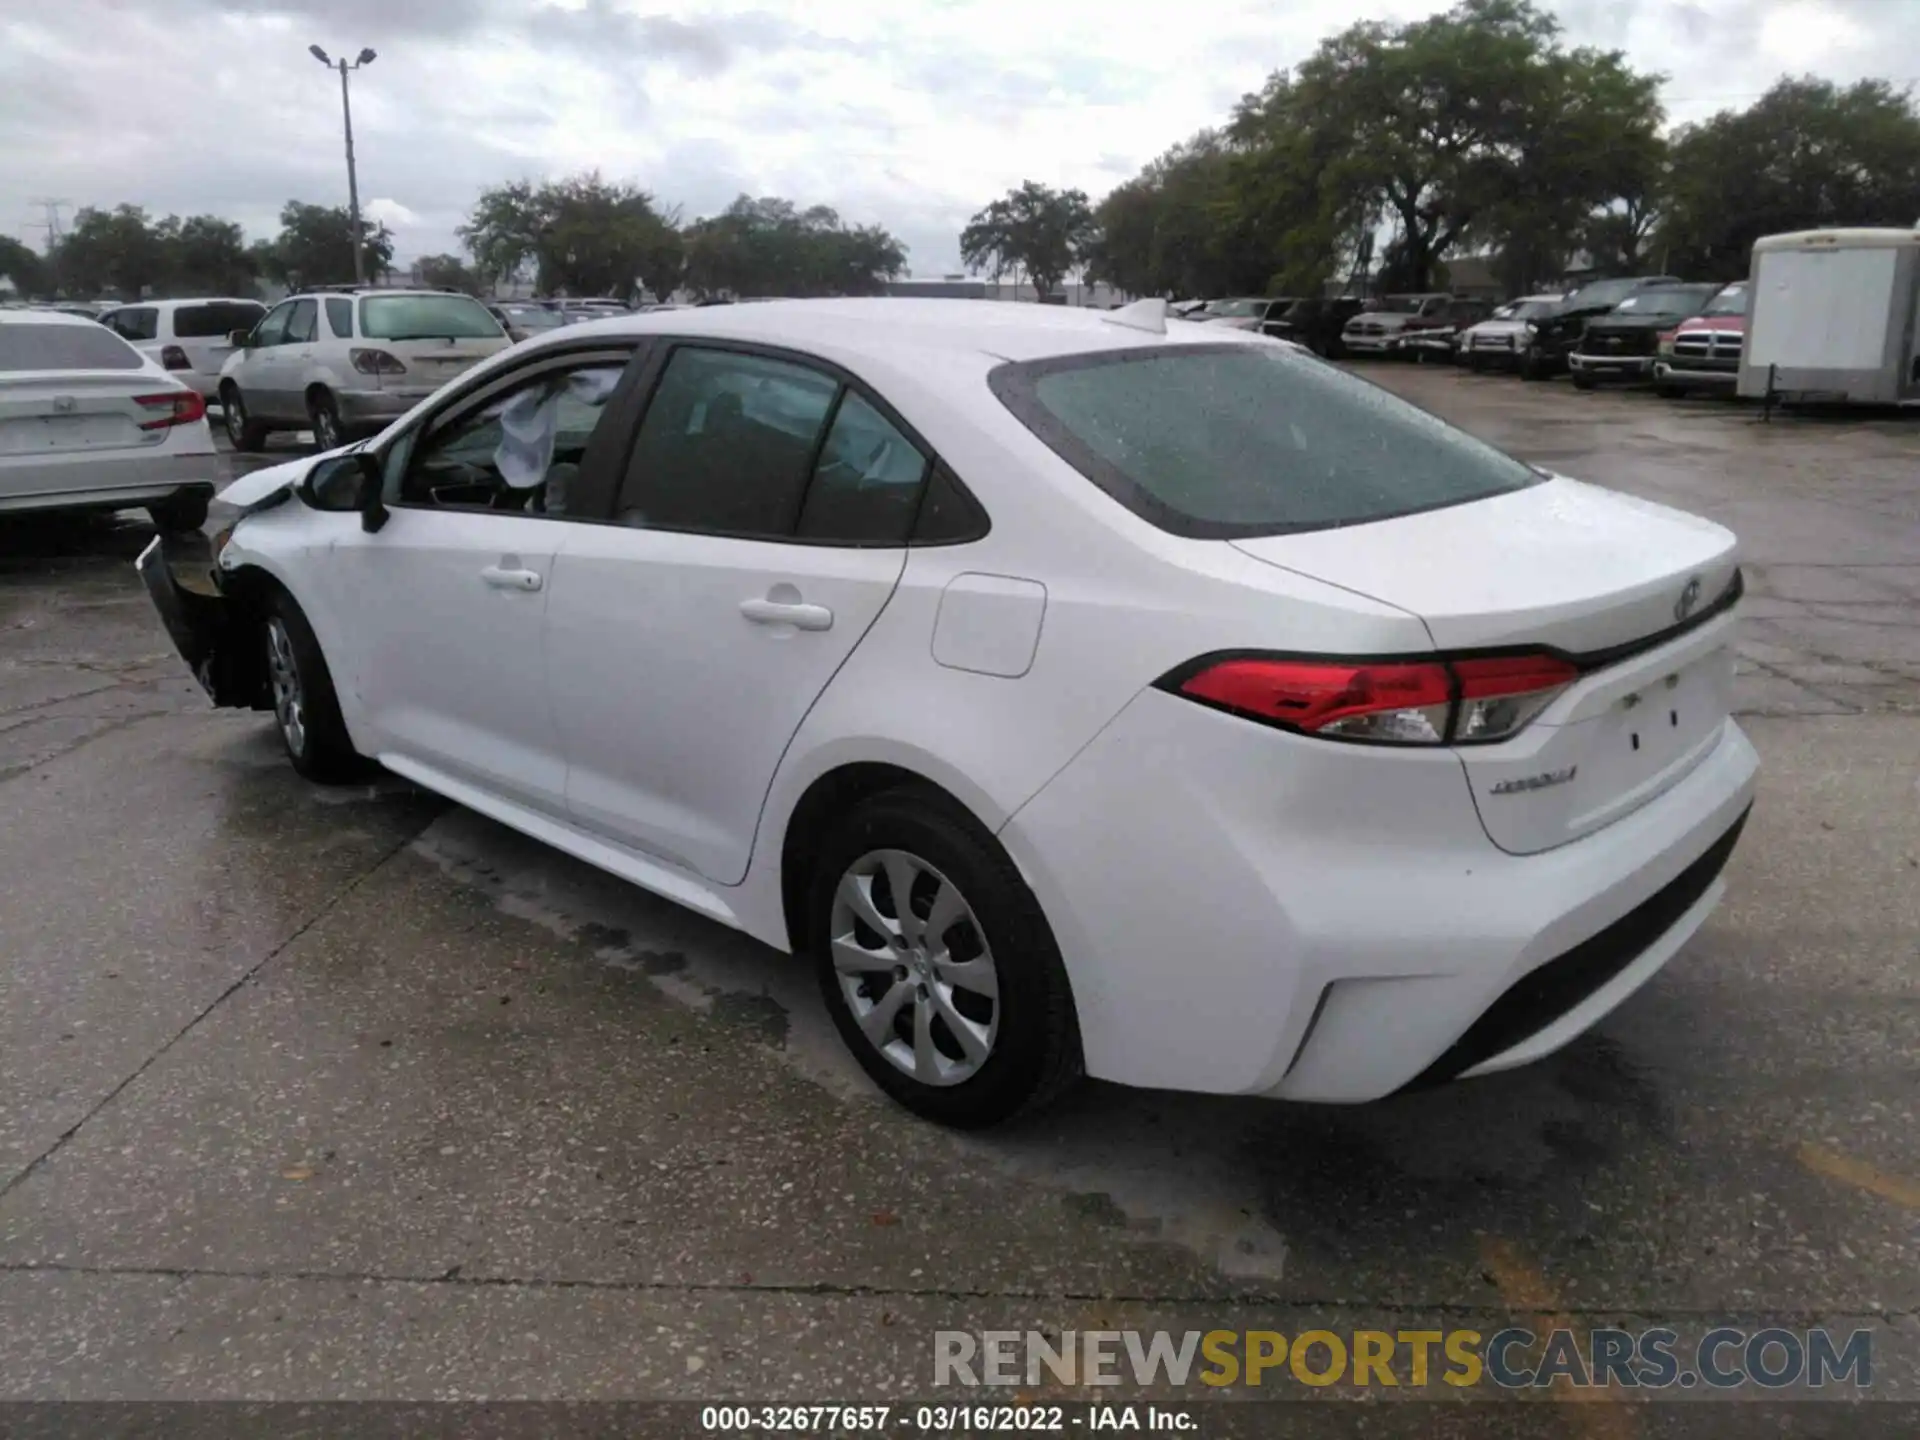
[
  {"x": 289, "y": 696},
  {"x": 914, "y": 967},
  {"x": 326, "y": 427},
  {"x": 235, "y": 414}
]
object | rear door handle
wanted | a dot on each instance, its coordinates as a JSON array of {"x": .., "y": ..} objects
[
  {"x": 502, "y": 578},
  {"x": 775, "y": 612}
]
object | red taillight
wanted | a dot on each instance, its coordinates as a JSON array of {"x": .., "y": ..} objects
[
  {"x": 174, "y": 358},
  {"x": 179, "y": 407},
  {"x": 1413, "y": 702},
  {"x": 375, "y": 362}
]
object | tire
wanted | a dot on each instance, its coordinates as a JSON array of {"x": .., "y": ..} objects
[
  {"x": 1030, "y": 1049},
  {"x": 244, "y": 432},
  {"x": 182, "y": 513},
  {"x": 323, "y": 417},
  {"x": 1669, "y": 392},
  {"x": 1477, "y": 364},
  {"x": 1583, "y": 382},
  {"x": 306, "y": 710}
]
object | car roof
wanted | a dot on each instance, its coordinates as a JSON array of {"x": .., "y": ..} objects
[
  {"x": 56, "y": 317},
  {"x": 175, "y": 304},
  {"x": 1002, "y": 330}
]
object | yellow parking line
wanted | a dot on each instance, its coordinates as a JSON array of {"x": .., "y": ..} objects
[
  {"x": 1861, "y": 1175},
  {"x": 1525, "y": 1289}
]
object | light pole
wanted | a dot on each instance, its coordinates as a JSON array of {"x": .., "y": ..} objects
[{"x": 366, "y": 57}]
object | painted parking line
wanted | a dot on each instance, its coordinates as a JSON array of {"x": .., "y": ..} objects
[
  {"x": 1861, "y": 1176},
  {"x": 1525, "y": 1289}
]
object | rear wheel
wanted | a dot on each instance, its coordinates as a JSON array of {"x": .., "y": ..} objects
[
  {"x": 243, "y": 431},
  {"x": 305, "y": 706},
  {"x": 937, "y": 965},
  {"x": 181, "y": 513},
  {"x": 324, "y": 416}
]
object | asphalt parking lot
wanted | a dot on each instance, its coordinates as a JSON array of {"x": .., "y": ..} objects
[{"x": 353, "y": 1094}]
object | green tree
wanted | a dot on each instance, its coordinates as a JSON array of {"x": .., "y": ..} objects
[
  {"x": 110, "y": 252},
  {"x": 315, "y": 246},
  {"x": 1035, "y": 228},
  {"x": 582, "y": 235},
  {"x": 23, "y": 268},
  {"x": 769, "y": 246},
  {"x": 447, "y": 270},
  {"x": 1807, "y": 155},
  {"x": 205, "y": 255}
]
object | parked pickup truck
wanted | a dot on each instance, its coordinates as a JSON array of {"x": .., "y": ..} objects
[
  {"x": 1373, "y": 330},
  {"x": 1555, "y": 336},
  {"x": 1621, "y": 344},
  {"x": 1704, "y": 352}
]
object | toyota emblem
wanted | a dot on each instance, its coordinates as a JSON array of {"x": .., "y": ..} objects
[{"x": 1689, "y": 597}]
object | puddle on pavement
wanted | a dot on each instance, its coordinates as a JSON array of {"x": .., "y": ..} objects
[{"x": 1220, "y": 1176}]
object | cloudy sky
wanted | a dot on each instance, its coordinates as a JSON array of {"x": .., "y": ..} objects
[{"x": 911, "y": 113}]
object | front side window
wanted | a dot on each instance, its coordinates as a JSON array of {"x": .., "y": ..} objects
[
  {"x": 302, "y": 322},
  {"x": 520, "y": 451},
  {"x": 426, "y": 317},
  {"x": 727, "y": 445},
  {"x": 273, "y": 329},
  {"x": 1215, "y": 441},
  {"x": 340, "y": 316}
]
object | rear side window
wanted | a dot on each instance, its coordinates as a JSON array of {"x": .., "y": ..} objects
[
  {"x": 64, "y": 347},
  {"x": 340, "y": 316},
  {"x": 1215, "y": 441},
  {"x": 426, "y": 317},
  {"x": 219, "y": 318},
  {"x": 140, "y": 322},
  {"x": 727, "y": 445},
  {"x": 866, "y": 486}
]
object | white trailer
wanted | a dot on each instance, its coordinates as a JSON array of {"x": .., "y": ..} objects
[{"x": 1835, "y": 315}]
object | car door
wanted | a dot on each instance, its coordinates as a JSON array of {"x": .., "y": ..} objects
[
  {"x": 254, "y": 372},
  {"x": 284, "y": 396},
  {"x": 445, "y": 603},
  {"x": 759, "y": 529}
]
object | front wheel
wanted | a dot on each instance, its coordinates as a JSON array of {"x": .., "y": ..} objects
[
  {"x": 1583, "y": 382},
  {"x": 180, "y": 514},
  {"x": 1531, "y": 365},
  {"x": 306, "y": 708},
  {"x": 937, "y": 965},
  {"x": 1669, "y": 392}
]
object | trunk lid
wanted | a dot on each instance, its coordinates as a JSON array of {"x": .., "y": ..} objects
[
  {"x": 1615, "y": 582},
  {"x": 55, "y": 413},
  {"x": 436, "y": 361}
]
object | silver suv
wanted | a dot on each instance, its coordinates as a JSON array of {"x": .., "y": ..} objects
[{"x": 349, "y": 361}]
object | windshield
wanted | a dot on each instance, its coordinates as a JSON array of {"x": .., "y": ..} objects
[
  {"x": 1730, "y": 301},
  {"x": 1602, "y": 293},
  {"x": 1217, "y": 440},
  {"x": 64, "y": 347},
  {"x": 1397, "y": 305},
  {"x": 1668, "y": 300},
  {"x": 1232, "y": 309},
  {"x": 1526, "y": 310},
  {"x": 426, "y": 317}
]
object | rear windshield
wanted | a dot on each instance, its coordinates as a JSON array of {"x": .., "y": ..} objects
[
  {"x": 1214, "y": 441},
  {"x": 64, "y": 347},
  {"x": 217, "y": 317},
  {"x": 426, "y": 317}
]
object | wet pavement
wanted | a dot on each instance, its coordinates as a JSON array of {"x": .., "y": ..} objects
[{"x": 353, "y": 1094}]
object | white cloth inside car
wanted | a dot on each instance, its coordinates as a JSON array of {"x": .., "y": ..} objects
[{"x": 530, "y": 421}]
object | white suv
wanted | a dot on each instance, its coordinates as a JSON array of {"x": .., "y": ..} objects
[
  {"x": 191, "y": 339},
  {"x": 342, "y": 361}
]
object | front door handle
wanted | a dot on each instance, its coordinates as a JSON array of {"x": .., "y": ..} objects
[
  {"x": 502, "y": 578},
  {"x": 777, "y": 612}
]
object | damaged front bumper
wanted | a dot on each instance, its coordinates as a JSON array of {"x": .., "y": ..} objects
[{"x": 207, "y": 628}]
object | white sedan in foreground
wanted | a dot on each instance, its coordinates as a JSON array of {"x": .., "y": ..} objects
[
  {"x": 89, "y": 423},
  {"x": 1078, "y": 691}
]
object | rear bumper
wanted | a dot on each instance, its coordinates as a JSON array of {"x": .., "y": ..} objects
[
  {"x": 204, "y": 627},
  {"x": 378, "y": 407},
  {"x": 1234, "y": 921},
  {"x": 83, "y": 481}
]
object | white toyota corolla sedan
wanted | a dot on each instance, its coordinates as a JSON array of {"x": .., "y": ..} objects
[{"x": 1080, "y": 692}]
